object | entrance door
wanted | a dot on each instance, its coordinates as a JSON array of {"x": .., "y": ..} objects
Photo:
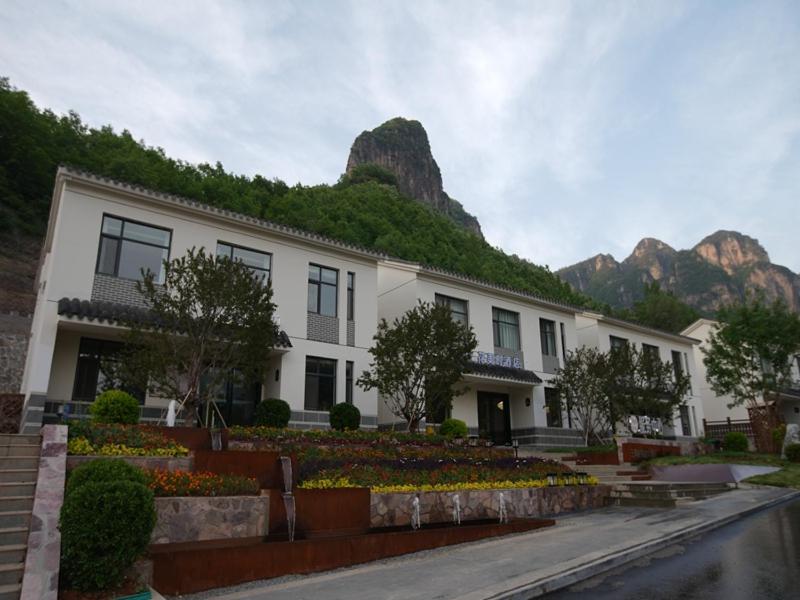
[
  {"x": 494, "y": 419},
  {"x": 552, "y": 404}
]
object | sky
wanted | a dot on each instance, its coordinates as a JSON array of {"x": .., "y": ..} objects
[{"x": 568, "y": 128}]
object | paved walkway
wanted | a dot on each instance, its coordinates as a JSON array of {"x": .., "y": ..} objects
[{"x": 521, "y": 566}]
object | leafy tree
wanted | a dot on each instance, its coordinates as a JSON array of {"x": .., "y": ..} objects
[
  {"x": 418, "y": 360},
  {"x": 661, "y": 310},
  {"x": 211, "y": 320},
  {"x": 749, "y": 351}
]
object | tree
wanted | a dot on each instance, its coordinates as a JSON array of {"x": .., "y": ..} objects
[
  {"x": 749, "y": 351},
  {"x": 661, "y": 310},
  {"x": 210, "y": 321},
  {"x": 418, "y": 360},
  {"x": 582, "y": 383}
]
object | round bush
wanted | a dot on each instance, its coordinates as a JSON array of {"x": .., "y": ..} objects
[
  {"x": 455, "y": 428},
  {"x": 345, "y": 416},
  {"x": 273, "y": 412},
  {"x": 115, "y": 406},
  {"x": 104, "y": 470},
  {"x": 105, "y": 527},
  {"x": 735, "y": 441},
  {"x": 793, "y": 452}
]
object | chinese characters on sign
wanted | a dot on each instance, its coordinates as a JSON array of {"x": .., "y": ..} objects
[{"x": 489, "y": 358}]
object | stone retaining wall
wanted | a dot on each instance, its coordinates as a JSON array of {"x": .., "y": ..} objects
[
  {"x": 387, "y": 510},
  {"x": 165, "y": 463},
  {"x": 213, "y": 518}
]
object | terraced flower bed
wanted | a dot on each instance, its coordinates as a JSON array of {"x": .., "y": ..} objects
[{"x": 88, "y": 439}]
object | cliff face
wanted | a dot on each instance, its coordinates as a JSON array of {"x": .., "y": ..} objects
[
  {"x": 722, "y": 268},
  {"x": 401, "y": 146}
]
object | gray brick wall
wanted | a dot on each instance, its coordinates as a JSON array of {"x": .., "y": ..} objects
[
  {"x": 351, "y": 333},
  {"x": 114, "y": 289},
  {"x": 322, "y": 329}
]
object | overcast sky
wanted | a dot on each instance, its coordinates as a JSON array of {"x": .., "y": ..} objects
[{"x": 568, "y": 129}]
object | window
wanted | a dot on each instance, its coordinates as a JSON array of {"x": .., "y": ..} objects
[
  {"x": 351, "y": 290},
  {"x": 348, "y": 380},
  {"x": 323, "y": 284},
  {"x": 677, "y": 363},
  {"x": 127, "y": 248},
  {"x": 547, "y": 330},
  {"x": 506, "y": 329},
  {"x": 552, "y": 404},
  {"x": 651, "y": 351},
  {"x": 260, "y": 263},
  {"x": 91, "y": 373},
  {"x": 563, "y": 343},
  {"x": 458, "y": 308},
  {"x": 320, "y": 383},
  {"x": 617, "y": 343}
]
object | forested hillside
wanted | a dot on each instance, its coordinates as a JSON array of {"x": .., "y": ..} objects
[{"x": 361, "y": 210}]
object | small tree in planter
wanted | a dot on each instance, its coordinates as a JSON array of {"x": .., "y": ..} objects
[{"x": 418, "y": 360}]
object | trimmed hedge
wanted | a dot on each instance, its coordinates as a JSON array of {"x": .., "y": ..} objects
[
  {"x": 345, "y": 417},
  {"x": 115, "y": 406},
  {"x": 455, "y": 428},
  {"x": 104, "y": 470},
  {"x": 735, "y": 441},
  {"x": 105, "y": 527},
  {"x": 273, "y": 412}
]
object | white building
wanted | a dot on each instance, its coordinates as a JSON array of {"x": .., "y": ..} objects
[{"x": 102, "y": 233}]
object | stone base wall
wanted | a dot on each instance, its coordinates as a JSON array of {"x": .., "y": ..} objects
[
  {"x": 387, "y": 510},
  {"x": 165, "y": 463},
  {"x": 223, "y": 517}
]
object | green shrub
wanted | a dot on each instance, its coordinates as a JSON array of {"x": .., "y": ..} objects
[
  {"x": 778, "y": 435},
  {"x": 455, "y": 428},
  {"x": 103, "y": 470},
  {"x": 273, "y": 412},
  {"x": 105, "y": 527},
  {"x": 345, "y": 417},
  {"x": 735, "y": 441},
  {"x": 115, "y": 406},
  {"x": 793, "y": 452}
]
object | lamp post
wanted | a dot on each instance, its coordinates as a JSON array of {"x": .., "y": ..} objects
[{"x": 515, "y": 445}]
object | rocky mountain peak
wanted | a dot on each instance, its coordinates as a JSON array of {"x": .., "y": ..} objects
[
  {"x": 402, "y": 147},
  {"x": 650, "y": 245},
  {"x": 731, "y": 250},
  {"x": 653, "y": 256}
]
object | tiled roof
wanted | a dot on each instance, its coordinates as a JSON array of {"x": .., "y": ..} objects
[
  {"x": 504, "y": 372},
  {"x": 113, "y": 312}
]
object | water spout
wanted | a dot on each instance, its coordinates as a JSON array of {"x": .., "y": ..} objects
[
  {"x": 503, "y": 511},
  {"x": 456, "y": 509},
  {"x": 415, "y": 522}
]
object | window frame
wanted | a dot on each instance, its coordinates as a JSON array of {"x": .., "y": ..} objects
[
  {"x": 648, "y": 348},
  {"x": 625, "y": 342},
  {"x": 542, "y": 331},
  {"x": 496, "y": 328},
  {"x": 351, "y": 296},
  {"x": 318, "y": 375},
  {"x": 120, "y": 238},
  {"x": 319, "y": 285},
  {"x": 349, "y": 370},
  {"x": 445, "y": 300},
  {"x": 240, "y": 247}
]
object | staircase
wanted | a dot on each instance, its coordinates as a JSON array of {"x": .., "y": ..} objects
[
  {"x": 19, "y": 467},
  {"x": 550, "y": 437},
  {"x": 663, "y": 494}
]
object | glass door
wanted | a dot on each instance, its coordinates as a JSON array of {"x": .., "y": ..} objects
[{"x": 494, "y": 420}]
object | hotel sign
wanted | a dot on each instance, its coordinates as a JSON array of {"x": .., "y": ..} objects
[{"x": 501, "y": 360}]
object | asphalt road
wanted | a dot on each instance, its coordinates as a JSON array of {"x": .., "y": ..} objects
[{"x": 755, "y": 558}]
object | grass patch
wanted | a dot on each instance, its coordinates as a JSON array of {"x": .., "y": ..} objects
[
  {"x": 738, "y": 458},
  {"x": 789, "y": 476}
]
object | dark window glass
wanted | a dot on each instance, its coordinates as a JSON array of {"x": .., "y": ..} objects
[
  {"x": 320, "y": 383},
  {"x": 351, "y": 289},
  {"x": 505, "y": 325},
  {"x": 552, "y": 402},
  {"x": 651, "y": 351},
  {"x": 677, "y": 363},
  {"x": 547, "y": 331},
  {"x": 322, "y": 290},
  {"x": 348, "y": 389},
  {"x": 260, "y": 263},
  {"x": 617, "y": 343},
  {"x": 128, "y": 248},
  {"x": 91, "y": 373},
  {"x": 458, "y": 308},
  {"x": 563, "y": 343}
]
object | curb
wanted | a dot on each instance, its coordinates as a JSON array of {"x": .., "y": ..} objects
[{"x": 591, "y": 568}]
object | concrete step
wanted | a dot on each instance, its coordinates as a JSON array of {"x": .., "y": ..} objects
[
  {"x": 657, "y": 486},
  {"x": 16, "y": 503},
  {"x": 10, "y": 592},
  {"x": 13, "y": 535},
  {"x": 20, "y": 450},
  {"x": 8, "y": 439},
  {"x": 11, "y": 573},
  {"x": 666, "y": 494},
  {"x": 18, "y": 462},
  {"x": 12, "y": 553},
  {"x": 15, "y": 518},
  {"x": 16, "y": 489},
  {"x": 18, "y": 475},
  {"x": 645, "y": 502}
]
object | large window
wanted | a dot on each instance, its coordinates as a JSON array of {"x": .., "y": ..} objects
[
  {"x": 348, "y": 380},
  {"x": 506, "y": 329},
  {"x": 617, "y": 343},
  {"x": 651, "y": 351},
  {"x": 92, "y": 373},
  {"x": 320, "y": 383},
  {"x": 547, "y": 330},
  {"x": 128, "y": 248},
  {"x": 260, "y": 263},
  {"x": 351, "y": 290},
  {"x": 677, "y": 363},
  {"x": 323, "y": 284},
  {"x": 458, "y": 308}
]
